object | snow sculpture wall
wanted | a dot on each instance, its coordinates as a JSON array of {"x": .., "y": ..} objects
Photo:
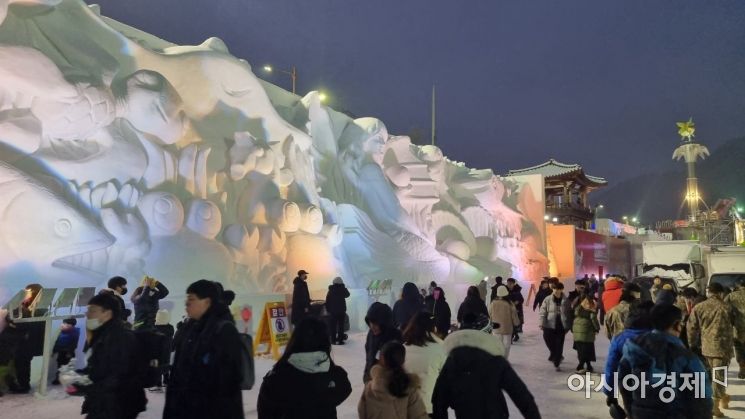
[{"x": 124, "y": 154}]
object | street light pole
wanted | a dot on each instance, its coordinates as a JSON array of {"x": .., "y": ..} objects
[{"x": 292, "y": 73}]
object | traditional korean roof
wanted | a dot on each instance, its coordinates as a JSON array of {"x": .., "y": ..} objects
[{"x": 553, "y": 169}]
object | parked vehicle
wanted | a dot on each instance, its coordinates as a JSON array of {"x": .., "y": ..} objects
[
  {"x": 726, "y": 266},
  {"x": 679, "y": 260}
]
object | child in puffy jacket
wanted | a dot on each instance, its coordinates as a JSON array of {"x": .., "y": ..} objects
[{"x": 66, "y": 344}]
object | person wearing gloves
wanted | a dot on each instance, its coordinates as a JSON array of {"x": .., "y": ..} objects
[
  {"x": 336, "y": 306},
  {"x": 392, "y": 392},
  {"x": 146, "y": 302},
  {"x": 115, "y": 392},
  {"x": 305, "y": 383},
  {"x": 476, "y": 375},
  {"x": 503, "y": 312}
]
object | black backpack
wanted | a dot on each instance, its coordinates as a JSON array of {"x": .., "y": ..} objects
[
  {"x": 148, "y": 357},
  {"x": 248, "y": 371}
]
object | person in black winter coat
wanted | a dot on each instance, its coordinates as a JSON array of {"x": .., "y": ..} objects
[
  {"x": 516, "y": 297},
  {"x": 474, "y": 377},
  {"x": 145, "y": 299},
  {"x": 300, "y": 298},
  {"x": 380, "y": 321},
  {"x": 164, "y": 327},
  {"x": 31, "y": 343},
  {"x": 544, "y": 291},
  {"x": 407, "y": 306},
  {"x": 116, "y": 391},
  {"x": 438, "y": 307},
  {"x": 117, "y": 286},
  {"x": 336, "y": 306},
  {"x": 206, "y": 376},
  {"x": 497, "y": 282},
  {"x": 305, "y": 383},
  {"x": 10, "y": 338},
  {"x": 472, "y": 304}
]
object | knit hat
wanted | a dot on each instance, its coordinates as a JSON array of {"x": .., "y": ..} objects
[
  {"x": 338, "y": 281},
  {"x": 205, "y": 289},
  {"x": 162, "y": 318},
  {"x": 502, "y": 291}
]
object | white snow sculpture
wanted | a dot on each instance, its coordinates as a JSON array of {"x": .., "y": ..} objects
[{"x": 130, "y": 130}]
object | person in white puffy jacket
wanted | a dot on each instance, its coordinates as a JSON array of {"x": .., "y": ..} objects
[{"x": 425, "y": 354}]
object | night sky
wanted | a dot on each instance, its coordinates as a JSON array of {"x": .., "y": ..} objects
[{"x": 600, "y": 83}]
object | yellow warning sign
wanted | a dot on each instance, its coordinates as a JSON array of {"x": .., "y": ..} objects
[{"x": 273, "y": 330}]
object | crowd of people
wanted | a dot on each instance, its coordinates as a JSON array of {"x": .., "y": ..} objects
[{"x": 419, "y": 363}]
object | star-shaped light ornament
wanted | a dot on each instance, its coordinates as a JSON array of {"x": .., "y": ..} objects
[{"x": 686, "y": 129}]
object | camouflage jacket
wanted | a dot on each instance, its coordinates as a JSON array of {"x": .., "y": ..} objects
[
  {"x": 737, "y": 299},
  {"x": 711, "y": 328},
  {"x": 615, "y": 319}
]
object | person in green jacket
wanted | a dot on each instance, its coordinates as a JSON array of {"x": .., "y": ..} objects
[{"x": 584, "y": 329}]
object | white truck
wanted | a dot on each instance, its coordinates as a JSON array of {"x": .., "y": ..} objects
[
  {"x": 726, "y": 265},
  {"x": 679, "y": 260}
]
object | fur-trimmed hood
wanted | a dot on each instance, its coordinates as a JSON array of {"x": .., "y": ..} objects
[{"x": 474, "y": 339}]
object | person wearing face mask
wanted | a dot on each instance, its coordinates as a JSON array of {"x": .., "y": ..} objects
[
  {"x": 616, "y": 317},
  {"x": 116, "y": 392},
  {"x": 206, "y": 377},
  {"x": 711, "y": 334},
  {"x": 117, "y": 287},
  {"x": 662, "y": 350},
  {"x": 438, "y": 307}
]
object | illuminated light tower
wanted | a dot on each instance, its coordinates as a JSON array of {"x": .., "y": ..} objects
[{"x": 690, "y": 151}]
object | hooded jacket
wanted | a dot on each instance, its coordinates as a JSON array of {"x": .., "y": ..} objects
[
  {"x": 336, "y": 303},
  {"x": 381, "y": 315},
  {"x": 307, "y": 386},
  {"x": 407, "y": 306},
  {"x": 612, "y": 293},
  {"x": 474, "y": 377},
  {"x": 658, "y": 352},
  {"x": 615, "y": 352},
  {"x": 440, "y": 310},
  {"x": 378, "y": 403}
]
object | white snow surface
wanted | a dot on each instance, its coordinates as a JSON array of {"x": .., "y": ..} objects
[{"x": 528, "y": 357}]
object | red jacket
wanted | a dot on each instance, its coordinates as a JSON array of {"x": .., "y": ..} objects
[{"x": 612, "y": 293}]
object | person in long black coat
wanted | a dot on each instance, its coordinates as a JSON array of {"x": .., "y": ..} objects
[
  {"x": 516, "y": 297},
  {"x": 336, "y": 306},
  {"x": 544, "y": 290},
  {"x": 380, "y": 321},
  {"x": 206, "y": 377},
  {"x": 305, "y": 383},
  {"x": 31, "y": 343},
  {"x": 474, "y": 377},
  {"x": 300, "y": 298},
  {"x": 438, "y": 307},
  {"x": 473, "y": 303},
  {"x": 116, "y": 392},
  {"x": 146, "y": 302},
  {"x": 410, "y": 303}
]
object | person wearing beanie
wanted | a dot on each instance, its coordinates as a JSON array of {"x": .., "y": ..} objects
[
  {"x": 164, "y": 328},
  {"x": 503, "y": 313},
  {"x": 475, "y": 377},
  {"x": 336, "y": 306},
  {"x": 146, "y": 299},
  {"x": 711, "y": 334},
  {"x": 207, "y": 368},
  {"x": 116, "y": 391},
  {"x": 66, "y": 344},
  {"x": 300, "y": 298},
  {"x": 612, "y": 291}
]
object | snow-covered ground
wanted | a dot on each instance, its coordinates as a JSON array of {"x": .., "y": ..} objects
[{"x": 528, "y": 357}]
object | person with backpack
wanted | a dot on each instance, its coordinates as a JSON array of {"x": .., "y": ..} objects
[
  {"x": 392, "y": 393},
  {"x": 116, "y": 391},
  {"x": 66, "y": 344},
  {"x": 438, "y": 307},
  {"x": 661, "y": 352},
  {"x": 305, "y": 383},
  {"x": 206, "y": 377},
  {"x": 146, "y": 299},
  {"x": 379, "y": 319},
  {"x": 336, "y": 306},
  {"x": 475, "y": 377},
  {"x": 473, "y": 303}
]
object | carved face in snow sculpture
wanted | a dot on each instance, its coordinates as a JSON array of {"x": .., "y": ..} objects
[
  {"x": 374, "y": 145},
  {"x": 153, "y": 107}
]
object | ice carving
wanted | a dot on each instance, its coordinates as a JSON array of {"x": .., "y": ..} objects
[{"x": 137, "y": 129}]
